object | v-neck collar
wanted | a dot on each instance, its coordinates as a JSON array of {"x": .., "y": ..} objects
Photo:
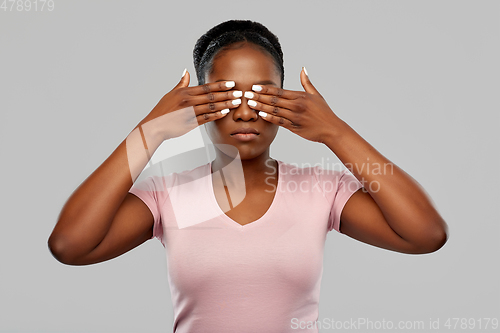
[{"x": 230, "y": 221}]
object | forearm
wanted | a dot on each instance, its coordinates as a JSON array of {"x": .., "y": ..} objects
[
  {"x": 87, "y": 215},
  {"x": 406, "y": 207}
]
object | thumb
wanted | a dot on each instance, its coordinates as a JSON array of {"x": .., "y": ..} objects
[
  {"x": 306, "y": 83},
  {"x": 184, "y": 81}
]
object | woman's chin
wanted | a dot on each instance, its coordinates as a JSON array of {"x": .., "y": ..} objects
[{"x": 241, "y": 152}]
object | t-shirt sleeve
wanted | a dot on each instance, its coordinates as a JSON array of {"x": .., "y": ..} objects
[
  {"x": 152, "y": 192},
  {"x": 338, "y": 187}
]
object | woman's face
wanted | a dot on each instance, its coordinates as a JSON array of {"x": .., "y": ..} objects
[{"x": 245, "y": 66}]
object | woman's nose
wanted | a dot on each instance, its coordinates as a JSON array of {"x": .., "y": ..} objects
[{"x": 244, "y": 111}]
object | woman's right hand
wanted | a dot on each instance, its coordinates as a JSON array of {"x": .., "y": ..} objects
[{"x": 185, "y": 108}]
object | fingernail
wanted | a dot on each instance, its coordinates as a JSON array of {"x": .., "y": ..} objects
[
  {"x": 248, "y": 94},
  {"x": 256, "y": 88},
  {"x": 252, "y": 103},
  {"x": 262, "y": 114},
  {"x": 237, "y": 93},
  {"x": 184, "y": 72},
  {"x": 230, "y": 84},
  {"x": 236, "y": 101},
  {"x": 305, "y": 71},
  {"x": 225, "y": 111}
]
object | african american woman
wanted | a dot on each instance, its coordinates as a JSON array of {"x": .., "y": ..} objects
[{"x": 244, "y": 234}]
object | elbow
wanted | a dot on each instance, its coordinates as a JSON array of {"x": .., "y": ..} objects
[
  {"x": 58, "y": 247},
  {"x": 437, "y": 239},
  {"x": 442, "y": 234}
]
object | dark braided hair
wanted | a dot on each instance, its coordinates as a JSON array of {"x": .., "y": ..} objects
[{"x": 223, "y": 35}]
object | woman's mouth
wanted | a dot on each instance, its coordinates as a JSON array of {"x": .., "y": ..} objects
[
  {"x": 244, "y": 136},
  {"x": 245, "y": 133}
]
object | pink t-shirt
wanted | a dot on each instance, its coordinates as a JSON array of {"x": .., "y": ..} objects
[{"x": 264, "y": 276}]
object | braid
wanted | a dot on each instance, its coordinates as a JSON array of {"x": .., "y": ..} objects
[{"x": 226, "y": 33}]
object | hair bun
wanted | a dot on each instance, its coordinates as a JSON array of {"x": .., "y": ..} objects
[{"x": 230, "y": 32}]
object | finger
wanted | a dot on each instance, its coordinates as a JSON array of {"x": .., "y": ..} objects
[
  {"x": 216, "y": 106},
  {"x": 280, "y": 121},
  {"x": 274, "y": 100},
  {"x": 306, "y": 83},
  {"x": 184, "y": 81},
  {"x": 210, "y": 87},
  {"x": 213, "y": 97},
  {"x": 272, "y": 90},
  {"x": 211, "y": 116},
  {"x": 273, "y": 110}
]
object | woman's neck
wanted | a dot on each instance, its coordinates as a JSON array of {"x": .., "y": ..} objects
[{"x": 253, "y": 171}]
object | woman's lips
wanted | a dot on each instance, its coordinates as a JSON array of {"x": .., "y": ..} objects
[{"x": 244, "y": 137}]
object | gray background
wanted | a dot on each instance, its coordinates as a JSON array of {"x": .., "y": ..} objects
[{"x": 417, "y": 79}]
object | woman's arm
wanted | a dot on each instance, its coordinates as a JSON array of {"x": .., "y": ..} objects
[
  {"x": 101, "y": 208},
  {"x": 394, "y": 213},
  {"x": 101, "y": 219}
]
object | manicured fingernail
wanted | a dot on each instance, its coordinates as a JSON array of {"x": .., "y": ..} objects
[
  {"x": 236, "y": 101},
  {"x": 230, "y": 84},
  {"x": 256, "y": 87},
  {"x": 252, "y": 103},
  {"x": 237, "y": 93},
  {"x": 184, "y": 73},
  {"x": 248, "y": 94},
  {"x": 305, "y": 71},
  {"x": 262, "y": 114},
  {"x": 225, "y": 111}
]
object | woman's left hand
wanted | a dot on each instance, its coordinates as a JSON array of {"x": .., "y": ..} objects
[{"x": 304, "y": 113}]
